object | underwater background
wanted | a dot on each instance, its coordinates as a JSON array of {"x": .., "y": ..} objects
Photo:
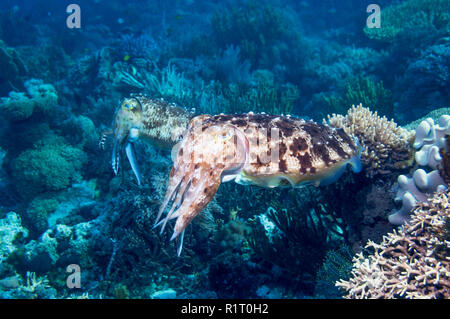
[{"x": 64, "y": 212}]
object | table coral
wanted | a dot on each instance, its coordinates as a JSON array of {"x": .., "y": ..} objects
[
  {"x": 411, "y": 262},
  {"x": 387, "y": 146}
]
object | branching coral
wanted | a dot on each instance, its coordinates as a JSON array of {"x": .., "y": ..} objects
[
  {"x": 409, "y": 263},
  {"x": 387, "y": 147}
]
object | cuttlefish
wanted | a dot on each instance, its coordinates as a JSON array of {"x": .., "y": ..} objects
[
  {"x": 250, "y": 149},
  {"x": 153, "y": 120}
]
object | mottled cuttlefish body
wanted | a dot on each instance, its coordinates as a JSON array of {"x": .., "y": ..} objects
[{"x": 258, "y": 149}]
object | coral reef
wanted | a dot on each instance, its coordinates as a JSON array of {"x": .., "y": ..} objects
[
  {"x": 444, "y": 167},
  {"x": 50, "y": 166},
  {"x": 60, "y": 202},
  {"x": 411, "y": 20},
  {"x": 424, "y": 83},
  {"x": 429, "y": 141},
  {"x": 11, "y": 229},
  {"x": 12, "y": 68},
  {"x": 337, "y": 265},
  {"x": 411, "y": 262},
  {"x": 365, "y": 91},
  {"x": 387, "y": 147},
  {"x": 19, "y": 106}
]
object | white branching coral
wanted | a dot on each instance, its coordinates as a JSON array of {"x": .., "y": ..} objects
[
  {"x": 409, "y": 263},
  {"x": 387, "y": 146}
]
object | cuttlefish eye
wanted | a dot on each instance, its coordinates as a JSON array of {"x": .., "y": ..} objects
[{"x": 130, "y": 105}]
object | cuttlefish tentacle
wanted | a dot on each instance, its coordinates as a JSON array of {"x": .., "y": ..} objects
[
  {"x": 203, "y": 159},
  {"x": 140, "y": 117},
  {"x": 129, "y": 150}
]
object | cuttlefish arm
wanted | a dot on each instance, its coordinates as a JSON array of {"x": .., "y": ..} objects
[
  {"x": 129, "y": 150},
  {"x": 127, "y": 124},
  {"x": 203, "y": 160},
  {"x": 153, "y": 120}
]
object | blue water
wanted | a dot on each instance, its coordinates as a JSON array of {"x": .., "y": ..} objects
[{"x": 71, "y": 227}]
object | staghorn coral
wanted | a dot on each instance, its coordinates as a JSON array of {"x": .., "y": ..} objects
[
  {"x": 411, "y": 262},
  {"x": 387, "y": 147}
]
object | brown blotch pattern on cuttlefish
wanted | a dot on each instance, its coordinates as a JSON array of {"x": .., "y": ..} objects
[{"x": 259, "y": 149}]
